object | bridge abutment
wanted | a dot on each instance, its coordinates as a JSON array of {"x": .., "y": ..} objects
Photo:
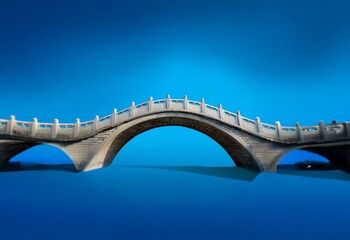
[
  {"x": 88, "y": 154},
  {"x": 268, "y": 155}
]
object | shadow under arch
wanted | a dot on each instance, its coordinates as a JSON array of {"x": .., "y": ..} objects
[
  {"x": 337, "y": 155},
  {"x": 299, "y": 154},
  {"x": 291, "y": 159},
  {"x": 238, "y": 153},
  {"x": 286, "y": 166},
  {"x": 22, "y": 159}
]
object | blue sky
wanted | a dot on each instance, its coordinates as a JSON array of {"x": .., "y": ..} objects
[{"x": 280, "y": 60}]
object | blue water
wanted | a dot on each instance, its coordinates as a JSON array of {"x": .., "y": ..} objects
[
  {"x": 284, "y": 61},
  {"x": 170, "y": 183},
  {"x": 172, "y": 202}
]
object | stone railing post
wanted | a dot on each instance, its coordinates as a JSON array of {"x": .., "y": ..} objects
[
  {"x": 114, "y": 116},
  {"x": 10, "y": 124},
  {"x": 258, "y": 125},
  {"x": 132, "y": 109},
  {"x": 203, "y": 106},
  {"x": 239, "y": 119},
  {"x": 76, "y": 128},
  {"x": 279, "y": 132},
  {"x": 168, "y": 102},
  {"x": 150, "y": 104},
  {"x": 96, "y": 122},
  {"x": 323, "y": 132},
  {"x": 347, "y": 128},
  {"x": 299, "y": 131},
  {"x": 185, "y": 102},
  {"x": 221, "y": 112},
  {"x": 34, "y": 127},
  {"x": 55, "y": 127}
]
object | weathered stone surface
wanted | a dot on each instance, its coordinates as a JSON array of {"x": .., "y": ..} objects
[{"x": 250, "y": 143}]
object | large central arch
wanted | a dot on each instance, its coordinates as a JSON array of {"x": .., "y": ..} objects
[{"x": 212, "y": 128}]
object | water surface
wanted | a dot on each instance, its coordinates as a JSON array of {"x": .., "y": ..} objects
[{"x": 172, "y": 202}]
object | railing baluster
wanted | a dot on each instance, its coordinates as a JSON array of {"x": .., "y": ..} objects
[
  {"x": 132, "y": 109},
  {"x": 114, "y": 116},
  {"x": 221, "y": 113},
  {"x": 168, "y": 102},
  {"x": 76, "y": 128},
  {"x": 347, "y": 128},
  {"x": 279, "y": 132},
  {"x": 185, "y": 102},
  {"x": 259, "y": 128},
  {"x": 34, "y": 127},
  {"x": 299, "y": 132},
  {"x": 239, "y": 119},
  {"x": 96, "y": 123},
  {"x": 55, "y": 128},
  {"x": 203, "y": 106},
  {"x": 323, "y": 131},
  {"x": 150, "y": 104},
  {"x": 10, "y": 124}
]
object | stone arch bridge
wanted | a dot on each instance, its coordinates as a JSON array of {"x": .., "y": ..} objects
[{"x": 250, "y": 143}]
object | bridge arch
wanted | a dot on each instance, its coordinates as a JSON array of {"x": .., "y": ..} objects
[
  {"x": 41, "y": 153},
  {"x": 232, "y": 144},
  {"x": 339, "y": 155},
  {"x": 299, "y": 155},
  {"x": 13, "y": 150}
]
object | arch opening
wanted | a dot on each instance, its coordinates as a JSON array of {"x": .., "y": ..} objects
[
  {"x": 173, "y": 146},
  {"x": 302, "y": 159},
  {"x": 40, "y": 157}
]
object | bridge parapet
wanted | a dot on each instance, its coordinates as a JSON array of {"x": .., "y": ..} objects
[{"x": 70, "y": 131}]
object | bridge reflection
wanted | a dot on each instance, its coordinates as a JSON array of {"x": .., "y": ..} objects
[
  {"x": 233, "y": 173},
  {"x": 236, "y": 173},
  {"x": 32, "y": 166},
  {"x": 292, "y": 170}
]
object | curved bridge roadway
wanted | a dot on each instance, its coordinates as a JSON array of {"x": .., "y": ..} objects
[{"x": 250, "y": 143}]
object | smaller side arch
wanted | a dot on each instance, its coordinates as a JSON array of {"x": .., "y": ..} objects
[
  {"x": 10, "y": 148},
  {"x": 296, "y": 155},
  {"x": 337, "y": 155}
]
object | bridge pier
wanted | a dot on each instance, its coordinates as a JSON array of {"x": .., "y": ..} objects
[
  {"x": 268, "y": 155},
  {"x": 88, "y": 154}
]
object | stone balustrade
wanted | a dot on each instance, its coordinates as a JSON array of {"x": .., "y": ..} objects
[{"x": 78, "y": 130}]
